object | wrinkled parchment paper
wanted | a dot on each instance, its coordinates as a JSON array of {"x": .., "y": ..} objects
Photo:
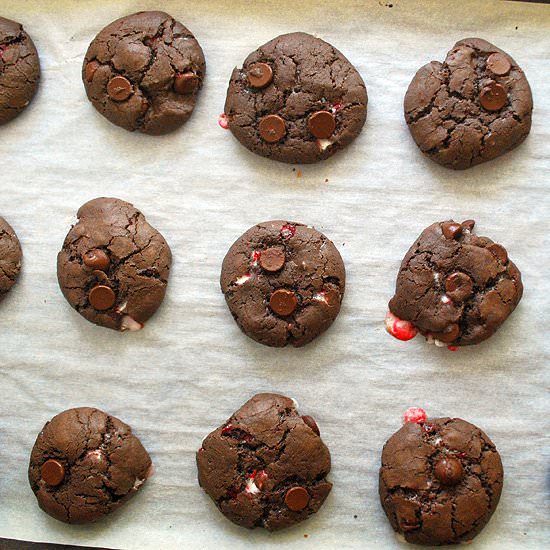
[{"x": 191, "y": 367}]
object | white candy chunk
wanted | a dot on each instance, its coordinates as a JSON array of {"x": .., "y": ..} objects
[
  {"x": 324, "y": 144},
  {"x": 445, "y": 299},
  {"x": 129, "y": 323},
  {"x": 241, "y": 280},
  {"x": 251, "y": 486}
]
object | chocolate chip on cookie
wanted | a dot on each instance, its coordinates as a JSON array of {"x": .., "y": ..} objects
[
  {"x": 471, "y": 108},
  {"x": 296, "y": 99},
  {"x": 113, "y": 267},
  {"x": 453, "y": 287},
  {"x": 10, "y": 257},
  {"x": 440, "y": 481},
  {"x": 266, "y": 466},
  {"x": 85, "y": 464},
  {"x": 19, "y": 69},
  {"x": 283, "y": 282},
  {"x": 143, "y": 72}
]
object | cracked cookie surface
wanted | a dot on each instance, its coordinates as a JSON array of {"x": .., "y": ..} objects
[
  {"x": 471, "y": 108},
  {"x": 440, "y": 481},
  {"x": 19, "y": 69},
  {"x": 10, "y": 257},
  {"x": 114, "y": 266},
  {"x": 266, "y": 466},
  {"x": 274, "y": 100},
  {"x": 456, "y": 287},
  {"x": 86, "y": 464},
  {"x": 283, "y": 282},
  {"x": 143, "y": 72}
]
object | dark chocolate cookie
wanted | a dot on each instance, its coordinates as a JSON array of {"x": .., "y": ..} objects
[
  {"x": 267, "y": 465},
  {"x": 86, "y": 464},
  {"x": 440, "y": 481},
  {"x": 472, "y": 108},
  {"x": 10, "y": 257},
  {"x": 296, "y": 99},
  {"x": 453, "y": 287},
  {"x": 19, "y": 69},
  {"x": 143, "y": 72},
  {"x": 283, "y": 282},
  {"x": 113, "y": 267}
]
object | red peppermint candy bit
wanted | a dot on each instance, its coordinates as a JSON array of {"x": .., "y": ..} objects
[
  {"x": 336, "y": 106},
  {"x": 453, "y": 348},
  {"x": 227, "y": 429},
  {"x": 461, "y": 455},
  {"x": 416, "y": 415},
  {"x": 223, "y": 121},
  {"x": 255, "y": 257},
  {"x": 400, "y": 329},
  {"x": 288, "y": 231}
]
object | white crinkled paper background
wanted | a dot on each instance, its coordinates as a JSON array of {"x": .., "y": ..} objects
[{"x": 191, "y": 367}]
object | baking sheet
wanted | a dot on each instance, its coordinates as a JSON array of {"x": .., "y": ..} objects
[{"x": 191, "y": 367}]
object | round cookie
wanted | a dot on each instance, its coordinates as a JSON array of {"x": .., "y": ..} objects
[
  {"x": 283, "y": 282},
  {"x": 19, "y": 69},
  {"x": 453, "y": 287},
  {"x": 10, "y": 257},
  {"x": 266, "y": 466},
  {"x": 440, "y": 481},
  {"x": 114, "y": 266},
  {"x": 85, "y": 464},
  {"x": 296, "y": 99},
  {"x": 143, "y": 72},
  {"x": 471, "y": 108}
]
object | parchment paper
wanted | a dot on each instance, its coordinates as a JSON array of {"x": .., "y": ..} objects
[{"x": 191, "y": 367}]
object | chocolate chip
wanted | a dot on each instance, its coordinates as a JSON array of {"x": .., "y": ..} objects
[
  {"x": 272, "y": 128},
  {"x": 468, "y": 224},
  {"x": 321, "y": 124},
  {"x": 102, "y": 297},
  {"x": 498, "y": 64},
  {"x": 119, "y": 88},
  {"x": 283, "y": 302},
  {"x": 498, "y": 251},
  {"x": 459, "y": 286},
  {"x": 451, "y": 230},
  {"x": 493, "y": 97},
  {"x": 448, "y": 471},
  {"x": 450, "y": 334},
  {"x": 297, "y": 498},
  {"x": 52, "y": 472},
  {"x": 272, "y": 259},
  {"x": 310, "y": 421},
  {"x": 96, "y": 259},
  {"x": 260, "y": 75},
  {"x": 186, "y": 83},
  {"x": 90, "y": 70}
]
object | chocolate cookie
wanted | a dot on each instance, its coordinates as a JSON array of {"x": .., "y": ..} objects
[
  {"x": 440, "y": 481},
  {"x": 267, "y": 465},
  {"x": 10, "y": 257},
  {"x": 453, "y": 287},
  {"x": 113, "y": 267},
  {"x": 283, "y": 282},
  {"x": 143, "y": 72},
  {"x": 19, "y": 69},
  {"x": 472, "y": 108},
  {"x": 296, "y": 99},
  {"x": 85, "y": 464}
]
